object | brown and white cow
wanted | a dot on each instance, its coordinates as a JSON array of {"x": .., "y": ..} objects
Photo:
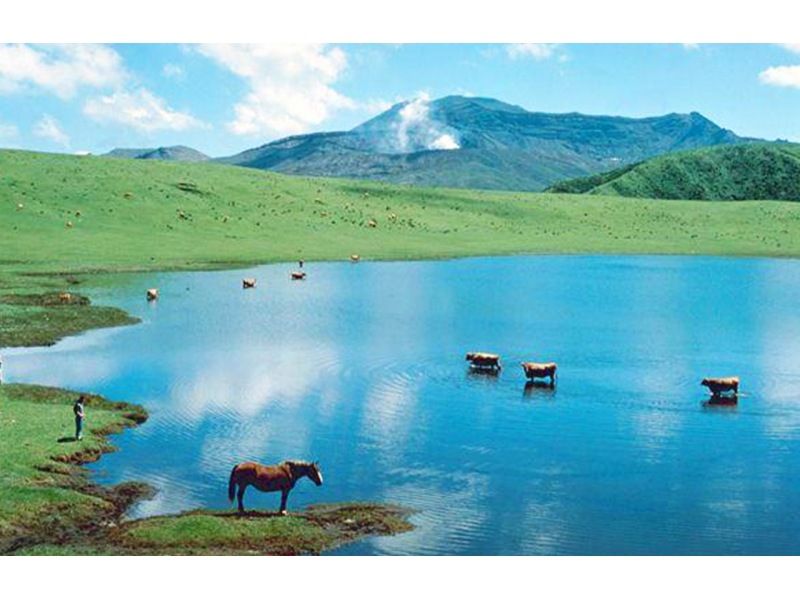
[
  {"x": 298, "y": 275},
  {"x": 152, "y": 294},
  {"x": 65, "y": 297},
  {"x": 248, "y": 283},
  {"x": 535, "y": 370},
  {"x": 484, "y": 360},
  {"x": 717, "y": 386}
]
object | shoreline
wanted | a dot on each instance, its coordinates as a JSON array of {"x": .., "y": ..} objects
[
  {"x": 89, "y": 518},
  {"x": 99, "y": 527}
]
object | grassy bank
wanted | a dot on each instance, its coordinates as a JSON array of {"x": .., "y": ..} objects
[
  {"x": 49, "y": 506},
  {"x": 45, "y": 495}
]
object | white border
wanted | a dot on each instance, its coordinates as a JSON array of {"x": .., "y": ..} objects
[
  {"x": 399, "y": 21},
  {"x": 407, "y": 577}
]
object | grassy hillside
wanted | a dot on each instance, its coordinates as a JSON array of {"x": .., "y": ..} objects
[
  {"x": 739, "y": 172},
  {"x": 71, "y": 214}
]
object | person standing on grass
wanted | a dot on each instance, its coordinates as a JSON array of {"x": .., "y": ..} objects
[{"x": 77, "y": 409}]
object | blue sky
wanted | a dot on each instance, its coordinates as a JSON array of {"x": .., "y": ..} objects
[{"x": 222, "y": 99}]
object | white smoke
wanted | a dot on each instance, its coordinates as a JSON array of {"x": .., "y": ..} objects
[
  {"x": 444, "y": 142},
  {"x": 416, "y": 131}
]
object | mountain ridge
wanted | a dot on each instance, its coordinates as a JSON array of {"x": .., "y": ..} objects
[
  {"x": 176, "y": 153},
  {"x": 475, "y": 142},
  {"x": 459, "y": 141}
]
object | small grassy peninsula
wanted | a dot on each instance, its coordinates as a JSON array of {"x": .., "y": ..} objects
[{"x": 48, "y": 505}]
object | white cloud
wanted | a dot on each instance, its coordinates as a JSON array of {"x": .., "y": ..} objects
[
  {"x": 173, "y": 71},
  {"x": 49, "y": 128},
  {"x": 534, "y": 51},
  {"x": 795, "y": 48},
  {"x": 781, "y": 76},
  {"x": 290, "y": 87},
  {"x": 139, "y": 109},
  {"x": 59, "y": 69}
]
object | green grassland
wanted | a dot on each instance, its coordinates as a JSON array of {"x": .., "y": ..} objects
[{"x": 81, "y": 214}]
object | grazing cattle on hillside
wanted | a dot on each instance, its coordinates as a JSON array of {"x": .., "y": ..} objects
[
  {"x": 484, "y": 360},
  {"x": 535, "y": 370},
  {"x": 298, "y": 275},
  {"x": 65, "y": 297},
  {"x": 718, "y": 386},
  {"x": 152, "y": 294},
  {"x": 248, "y": 283}
]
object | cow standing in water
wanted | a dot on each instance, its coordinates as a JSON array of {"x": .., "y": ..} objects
[
  {"x": 484, "y": 361},
  {"x": 271, "y": 478},
  {"x": 535, "y": 370},
  {"x": 718, "y": 386}
]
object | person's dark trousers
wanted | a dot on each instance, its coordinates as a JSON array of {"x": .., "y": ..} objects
[{"x": 78, "y": 428}]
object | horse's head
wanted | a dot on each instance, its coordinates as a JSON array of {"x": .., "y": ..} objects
[
  {"x": 314, "y": 473},
  {"x": 304, "y": 468}
]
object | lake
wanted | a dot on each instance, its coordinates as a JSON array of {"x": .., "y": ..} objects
[{"x": 361, "y": 366}]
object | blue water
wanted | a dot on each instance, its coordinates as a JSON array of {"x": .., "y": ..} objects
[{"x": 362, "y": 367}]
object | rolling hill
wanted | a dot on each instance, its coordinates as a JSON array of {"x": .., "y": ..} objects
[
  {"x": 482, "y": 143},
  {"x": 738, "y": 172},
  {"x": 100, "y": 214}
]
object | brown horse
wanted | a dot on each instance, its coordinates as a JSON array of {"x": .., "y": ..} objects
[{"x": 271, "y": 478}]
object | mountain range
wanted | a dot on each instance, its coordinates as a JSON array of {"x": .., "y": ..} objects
[{"x": 459, "y": 141}]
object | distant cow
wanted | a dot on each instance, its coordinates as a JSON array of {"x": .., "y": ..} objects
[
  {"x": 717, "y": 386},
  {"x": 248, "y": 283},
  {"x": 152, "y": 294},
  {"x": 355, "y": 257},
  {"x": 65, "y": 297},
  {"x": 298, "y": 275},
  {"x": 535, "y": 370},
  {"x": 484, "y": 360}
]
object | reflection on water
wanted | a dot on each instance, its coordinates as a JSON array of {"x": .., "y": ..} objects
[{"x": 362, "y": 367}]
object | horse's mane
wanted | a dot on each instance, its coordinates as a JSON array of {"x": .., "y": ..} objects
[{"x": 297, "y": 462}]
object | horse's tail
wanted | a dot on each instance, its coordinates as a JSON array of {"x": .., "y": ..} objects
[{"x": 232, "y": 484}]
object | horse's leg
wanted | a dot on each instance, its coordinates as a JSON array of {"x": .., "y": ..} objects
[
  {"x": 240, "y": 496},
  {"x": 284, "y": 496}
]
